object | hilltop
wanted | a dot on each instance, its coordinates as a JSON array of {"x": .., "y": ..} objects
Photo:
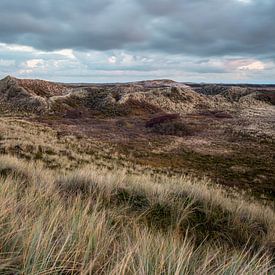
[{"x": 38, "y": 96}]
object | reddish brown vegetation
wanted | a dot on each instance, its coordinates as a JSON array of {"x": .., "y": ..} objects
[
  {"x": 73, "y": 114},
  {"x": 268, "y": 97},
  {"x": 169, "y": 124},
  {"x": 172, "y": 128},
  {"x": 215, "y": 114},
  {"x": 161, "y": 119}
]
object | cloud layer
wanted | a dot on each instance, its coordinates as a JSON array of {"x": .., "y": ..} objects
[{"x": 133, "y": 39}]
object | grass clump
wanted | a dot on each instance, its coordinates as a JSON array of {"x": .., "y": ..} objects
[{"x": 95, "y": 221}]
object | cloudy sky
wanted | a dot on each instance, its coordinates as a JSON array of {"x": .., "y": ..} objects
[{"x": 126, "y": 40}]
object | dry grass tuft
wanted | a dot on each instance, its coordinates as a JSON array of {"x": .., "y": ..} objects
[{"x": 95, "y": 221}]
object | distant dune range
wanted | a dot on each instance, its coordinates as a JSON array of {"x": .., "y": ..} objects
[
  {"x": 38, "y": 96},
  {"x": 225, "y": 132}
]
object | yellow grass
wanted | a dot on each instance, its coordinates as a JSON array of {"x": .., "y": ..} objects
[{"x": 96, "y": 221}]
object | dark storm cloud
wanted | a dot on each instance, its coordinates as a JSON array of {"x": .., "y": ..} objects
[
  {"x": 51, "y": 24},
  {"x": 213, "y": 27},
  {"x": 197, "y": 27}
]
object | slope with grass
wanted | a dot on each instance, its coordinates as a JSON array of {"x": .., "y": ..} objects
[
  {"x": 93, "y": 221},
  {"x": 152, "y": 177},
  {"x": 223, "y": 132}
]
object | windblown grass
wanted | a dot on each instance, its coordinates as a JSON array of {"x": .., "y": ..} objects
[{"x": 94, "y": 221}]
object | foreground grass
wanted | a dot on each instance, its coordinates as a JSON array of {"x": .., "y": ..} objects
[{"x": 93, "y": 221}]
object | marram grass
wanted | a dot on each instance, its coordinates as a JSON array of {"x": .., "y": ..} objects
[{"x": 94, "y": 221}]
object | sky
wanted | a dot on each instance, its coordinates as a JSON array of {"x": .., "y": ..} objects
[{"x": 229, "y": 41}]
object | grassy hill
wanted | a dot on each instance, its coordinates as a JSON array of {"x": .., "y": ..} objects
[{"x": 152, "y": 177}]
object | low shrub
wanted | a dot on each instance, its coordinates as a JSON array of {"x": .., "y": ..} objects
[
  {"x": 161, "y": 119},
  {"x": 173, "y": 128}
]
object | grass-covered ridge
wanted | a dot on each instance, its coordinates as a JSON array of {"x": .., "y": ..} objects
[{"x": 95, "y": 221}]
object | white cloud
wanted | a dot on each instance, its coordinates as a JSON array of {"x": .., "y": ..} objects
[
  {"x": 121, "y": 65},
  {"x": 65, "y": 52},
  {"x": 245, "y": 1},
  {"x": 112, "y": 59},
  {"x": 244, "y": 64},
  {"x": 255, "y": 66},
  {"x": 34, "y": 63},
  {"x": 17, "y": 48},
  {"x": 123, "y": 58},
  {"x": 127, "y": 59}
]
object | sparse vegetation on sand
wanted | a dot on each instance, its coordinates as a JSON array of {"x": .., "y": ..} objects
[{"x": 96, "y": 221}]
